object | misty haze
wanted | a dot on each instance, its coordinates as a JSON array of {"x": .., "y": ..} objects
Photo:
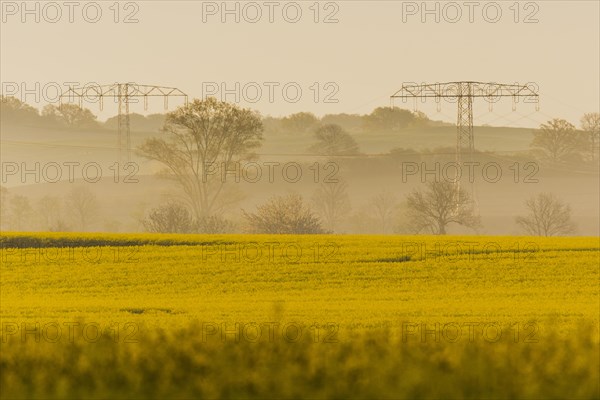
[{"x": 326, "y": 199}]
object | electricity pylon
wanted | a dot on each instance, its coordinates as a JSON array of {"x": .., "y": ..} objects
[
  {"x": 123, "y": 93},
  {"x": 464, "y": 93}
]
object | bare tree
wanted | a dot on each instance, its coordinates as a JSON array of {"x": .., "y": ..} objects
[
  {"x": 50, "y": 212},
  {"x": 590, "y": 123},
  {"x": 283, "y": 215},
  {"x": 81, "y": 202},
  {"x": 331, "y": 202},
  {"x": 383, "y": 207},
  {"x": 112, "y": 226},
  {"x": 214, "y": 224},
  {"x": 558, "y": 140},
  {"x": 440, "y": 205},
  {"x": 204, "y": 138},
  {"x": 332, "y": 140},
  {"x": 21, "y": 212},
  {"x": 171, "y": 217},
  {"x": 548, "y": 216},
  {"x": 4, "y": 209},
  {"x": 362, "y": 221},
  {"x": 138, "y": 214}
]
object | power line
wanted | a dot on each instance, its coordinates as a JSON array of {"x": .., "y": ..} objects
[
  {"x": 54, "y": 145},
  {"x": 123, "y": 92}
]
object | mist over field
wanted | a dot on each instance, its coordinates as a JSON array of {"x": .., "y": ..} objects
[
  {"x": 299, "y": 199},
  {"x": 389, "y": 159}
]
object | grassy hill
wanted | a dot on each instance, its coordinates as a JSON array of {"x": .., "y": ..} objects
[{"x": 34, "y": 143}]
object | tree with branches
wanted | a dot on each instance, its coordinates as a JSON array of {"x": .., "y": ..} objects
[
  {"x": 440, "y": 205},
  {"x": 383, "y": 207},
  {"x": 590, "y": 123},
  {"x": 50, "y": 213},
  {"x": 4, "y": 208},
  {"x": 332, "y": 203},
  {"x": 83, "y": 206},
  {"x": 70, "y": 115},
  {"x": 548, "y": 216},
  {"x": 332, "y": 140},
  {"x": 171, "y": 217},
  {"x": 20, "y": 212},
  {"x": 283, "y": 215},
  {"x": 558, "y": 140},
  {"x": 203, "y": 140},
  {"x": 390, "y": 119},
  {"x": 299, "y": 123},
  {"x": 14, "y": 110}
]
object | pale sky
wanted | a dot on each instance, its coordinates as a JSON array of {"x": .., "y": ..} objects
[{"x": 356, "y": 62}]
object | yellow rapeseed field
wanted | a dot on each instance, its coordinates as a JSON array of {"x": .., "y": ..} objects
[{"x": 254, "y": 316}]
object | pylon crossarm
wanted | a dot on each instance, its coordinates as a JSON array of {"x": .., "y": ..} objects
[
  {"x": 451, "y": 89},
  {"x": 122, "y": 92}
]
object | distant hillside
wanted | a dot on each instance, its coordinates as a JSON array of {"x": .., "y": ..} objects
[
  {"x": 500, "y": 139},
  {"x": 39, "y": 144}
]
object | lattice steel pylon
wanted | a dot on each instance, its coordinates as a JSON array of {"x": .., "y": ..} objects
[
  {"x": 464, "y": 122},
  {"x": 463, "y": 93},
  {"x": 123, "y": 93}
]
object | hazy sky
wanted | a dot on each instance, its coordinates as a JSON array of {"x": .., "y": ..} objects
[{"x": 352, "y": 65}]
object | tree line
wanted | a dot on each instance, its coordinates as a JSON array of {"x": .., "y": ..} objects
[
  {"x": 218, "y": 134},
  {"x": 72, "y": 116}
]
